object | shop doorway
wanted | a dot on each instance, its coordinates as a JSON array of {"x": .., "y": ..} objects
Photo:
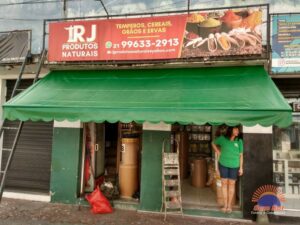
[
  {"x": 200, "y": 187},
  {"x": 111, "y": 159}
]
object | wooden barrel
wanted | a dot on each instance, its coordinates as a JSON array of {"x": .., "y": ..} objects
[
  {"x": 130, "y": 147},
  {"x": 128, "y": 180},
  {"x": 199, "y": 173}
]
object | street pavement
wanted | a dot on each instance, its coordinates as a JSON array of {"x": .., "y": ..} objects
[{"x": 24, "y": 212}]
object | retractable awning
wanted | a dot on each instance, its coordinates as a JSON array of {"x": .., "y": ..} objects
[{"x": 231, "y": 95}]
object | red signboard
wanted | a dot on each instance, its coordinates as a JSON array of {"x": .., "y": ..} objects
[
  {"x": 117, "y": 39},
  {"x": 199, "y": 34}
]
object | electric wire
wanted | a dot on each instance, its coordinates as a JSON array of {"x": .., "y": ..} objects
[{"x": 35, "y": 2}]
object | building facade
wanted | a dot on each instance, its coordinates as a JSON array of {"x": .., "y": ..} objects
[{"x": 64, "y": 144}]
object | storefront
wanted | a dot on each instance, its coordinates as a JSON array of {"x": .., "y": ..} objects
[
  {"x": 112, "y": 123},
  {"x": 182, "y": 97}
]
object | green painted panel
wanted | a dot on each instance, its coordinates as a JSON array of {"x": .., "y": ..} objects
[
  {"x": 66, "y": 157},
  {"x": 151, "y": 174}
]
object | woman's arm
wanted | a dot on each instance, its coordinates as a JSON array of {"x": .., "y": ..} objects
[
  {"x": 217, "y": 156},
  {"x": 216, "y": 149},
  {"x": 241, "y": 170}
]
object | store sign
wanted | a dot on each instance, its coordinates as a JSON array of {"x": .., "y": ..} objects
[
  {"x": 200, "y": 34},
  {"x": 286, "y": 43},
  {"x": 268, "y": 199},
  {"x": 14, "y": 46}
]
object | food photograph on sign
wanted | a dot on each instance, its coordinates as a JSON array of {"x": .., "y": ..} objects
[
  {"x": 224, "y": 32},
  {"x": 214, "y": 33}
]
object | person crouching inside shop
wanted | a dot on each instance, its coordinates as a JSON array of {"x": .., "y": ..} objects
[{"x": 229, "y": 152}]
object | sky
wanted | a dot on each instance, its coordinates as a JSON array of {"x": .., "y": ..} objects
[{"x": 29, "y": 14}]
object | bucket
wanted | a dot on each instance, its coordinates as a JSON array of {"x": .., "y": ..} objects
[
  {"x": 128, "y": 180},
  {"x": 199, "y": 173},
  {"x": 130, "y": 147}
]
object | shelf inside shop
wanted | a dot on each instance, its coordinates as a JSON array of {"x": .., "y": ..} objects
[
  {"x": 198, "y": 141},
  {"x": 280, "y": 182},
  {"x": 199, "y": 154},
  {"x": 197, "y": 132},
  {"x": 292, "y": 196}
]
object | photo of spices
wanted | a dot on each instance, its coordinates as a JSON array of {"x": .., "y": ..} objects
[{"x": 223, "y": 33}]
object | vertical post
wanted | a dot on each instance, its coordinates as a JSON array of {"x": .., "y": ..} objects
[
  {"x": 44, "y": 34},
  {"x": 188, "y": 6},
  {"x": 2, "y": 101},
  {"x": 119, "y": 146},
  {"x": 82, "y": 161},
  {"x": 269, "y": 50},
  {"x": 151, "y": 168},
  {"x": 258, "y": 164},
  {"x": 65, "y": 9}
]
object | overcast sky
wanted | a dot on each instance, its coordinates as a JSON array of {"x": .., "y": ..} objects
[{"x": 16, "y": 16}]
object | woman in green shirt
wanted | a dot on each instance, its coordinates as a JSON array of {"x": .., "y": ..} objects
[{"x": 229, "y": 152}]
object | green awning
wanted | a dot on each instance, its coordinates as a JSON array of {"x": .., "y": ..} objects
[{"x": 231, "y": 95}]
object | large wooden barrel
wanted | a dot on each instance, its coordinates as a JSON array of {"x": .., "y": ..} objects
[
  {"x": 130, "y": 147},
  {"x": 199, "y": 173},
  {"x": 128, "y": 169},
  {"x": 128, "y": 180}
]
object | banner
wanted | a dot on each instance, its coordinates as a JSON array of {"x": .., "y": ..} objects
[
  {"x": 215, "y": 33},
  {"x": 286, "y": 43},
  {"x": 14, "y": 46}
]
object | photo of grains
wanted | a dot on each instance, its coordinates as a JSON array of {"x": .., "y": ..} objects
[{"x": 223, "y": 33}]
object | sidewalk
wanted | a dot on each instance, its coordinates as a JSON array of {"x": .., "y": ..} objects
[{"x": 22, "y": 212}]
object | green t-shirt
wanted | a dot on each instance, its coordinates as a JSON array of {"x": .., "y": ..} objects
[{"x": 230, "y": 151}]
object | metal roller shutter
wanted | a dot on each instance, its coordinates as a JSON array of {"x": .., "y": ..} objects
[
  {"x": 289, "y": 87},
  {"x": 30, "y": 168}
]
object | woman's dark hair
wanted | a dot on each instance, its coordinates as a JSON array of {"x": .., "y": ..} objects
[
  {"x": 229, "y": 132},
  {"x": 221, "y": 130}
]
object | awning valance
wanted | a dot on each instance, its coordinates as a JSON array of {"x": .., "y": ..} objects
[{"x": 231, "y": 95}]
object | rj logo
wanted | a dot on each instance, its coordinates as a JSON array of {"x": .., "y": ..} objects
[{"x": 77, "y": 33}]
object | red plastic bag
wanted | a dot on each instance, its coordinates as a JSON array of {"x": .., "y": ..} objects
[{"x": 98, "y": 202}]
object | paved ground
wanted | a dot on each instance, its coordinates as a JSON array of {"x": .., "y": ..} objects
[{"x": 22, "y": 212}]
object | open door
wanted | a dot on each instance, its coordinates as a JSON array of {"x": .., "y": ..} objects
[
  {"x": 100, "y": 149},
  {"x": 94, "y": 150}
]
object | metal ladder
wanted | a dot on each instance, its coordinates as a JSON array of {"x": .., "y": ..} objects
[
  {"x": 18, "y": 128},
  {"x": 171, "y": 185}
]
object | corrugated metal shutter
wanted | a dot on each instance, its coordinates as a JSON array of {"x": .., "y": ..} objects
[
  {"x": 30, "y": 169},
  {"x": 289, "y": 87}
]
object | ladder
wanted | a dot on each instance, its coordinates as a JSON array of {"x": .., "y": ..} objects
[
  {"x": 171, "y": 185},
  {"x": 17, "y": 129}
]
